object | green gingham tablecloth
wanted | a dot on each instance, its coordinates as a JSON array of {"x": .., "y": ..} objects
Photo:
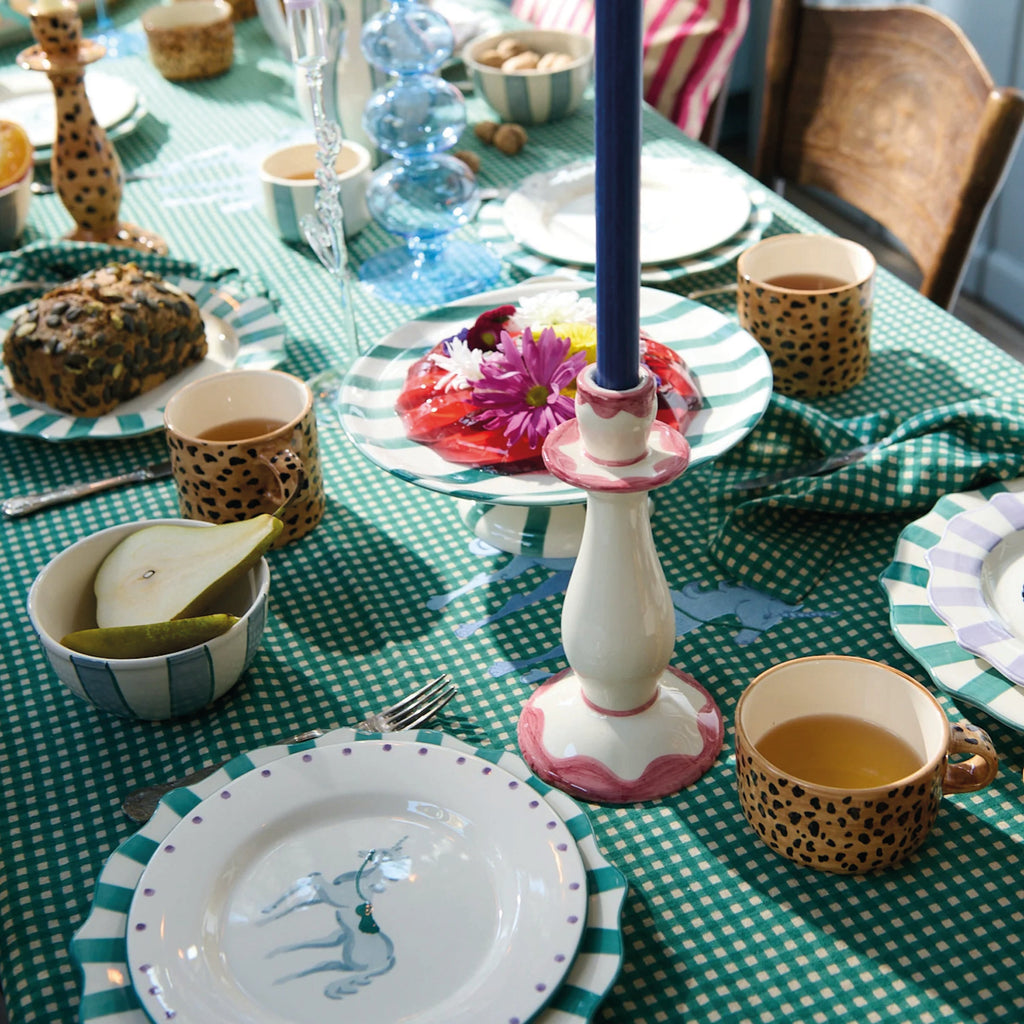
[{"x": 390, "y": 589}]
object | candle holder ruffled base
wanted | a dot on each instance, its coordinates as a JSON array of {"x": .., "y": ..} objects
[{"x": 620, "y": 725}]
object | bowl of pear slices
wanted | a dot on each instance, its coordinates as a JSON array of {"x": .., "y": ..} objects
[{"x": 155, "y": 619}]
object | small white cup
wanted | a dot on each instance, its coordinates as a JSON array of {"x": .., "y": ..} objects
[{"x": 289, "y": 187}]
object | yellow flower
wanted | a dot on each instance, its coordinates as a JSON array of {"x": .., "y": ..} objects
[{"x": 582, "y": 338}]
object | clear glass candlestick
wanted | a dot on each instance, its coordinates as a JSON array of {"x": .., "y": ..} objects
[
  {"x": 324, "y": 229},
  {"x": 422, "y": 194}
]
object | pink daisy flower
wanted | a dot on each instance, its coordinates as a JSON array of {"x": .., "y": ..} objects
[{"x": 520, "y": 389}]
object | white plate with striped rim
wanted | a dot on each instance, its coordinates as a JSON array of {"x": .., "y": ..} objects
[
  {"x": 101, "y": 944},
  {"x": 241, "y": 332},
  {"x": 924, "y": 635},
  {"x": 731, "y": 370},
  {"x": 493, "y": 230}
]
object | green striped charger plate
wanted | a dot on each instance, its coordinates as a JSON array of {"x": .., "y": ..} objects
[
  {"x": 242, "y": 332},
  {"x": 99, "y": 947},
  {"x": 730, "y": 367}
]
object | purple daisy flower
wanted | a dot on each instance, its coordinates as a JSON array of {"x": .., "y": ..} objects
[{"x": 522, "y": 383}]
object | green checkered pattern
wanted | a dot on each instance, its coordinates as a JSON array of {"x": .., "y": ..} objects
[
  {"x": 715, "y": 927},
  {"x": 786, "y": 536}
]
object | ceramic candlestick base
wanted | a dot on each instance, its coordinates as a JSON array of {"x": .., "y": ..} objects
[
  {"x": 620, "y": 725},
  {"x": 87, "y": 173}
]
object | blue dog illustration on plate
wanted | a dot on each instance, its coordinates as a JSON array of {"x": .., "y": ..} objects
[{"x": 363, "y": 950}]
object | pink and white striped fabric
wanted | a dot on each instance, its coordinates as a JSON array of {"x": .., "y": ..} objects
[{"x": 689, "y": 46}]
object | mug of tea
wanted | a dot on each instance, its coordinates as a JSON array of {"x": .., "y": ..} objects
[
  {"x": 807, "y": 299},
  {"x": 289, "y": 187},
  {"x": 243, "y": 443},
  {"x": 841, "y": 762}
]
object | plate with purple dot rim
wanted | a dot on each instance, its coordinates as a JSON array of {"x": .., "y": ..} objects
[{"x": 382, "y": 870}]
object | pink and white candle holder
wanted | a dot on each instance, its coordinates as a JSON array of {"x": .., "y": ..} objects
[{"x": 620, "y": 725}]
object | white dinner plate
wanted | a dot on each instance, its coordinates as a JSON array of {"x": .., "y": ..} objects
[
  {"x": 336, "y": 798},
  {"x": 730, "y": 368},
  {"x": 491, "y": 226},
  {"x": 27, "y": 98},
  {"x": 684, "y": 210},
  {"x": 976, "y": 585},
  {"x": 44, "y": 154},
  {"x": 920, "y": 630},
  {"x": 241, "y": 332}
]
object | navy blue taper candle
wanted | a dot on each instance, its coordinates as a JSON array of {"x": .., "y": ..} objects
[{"x": 618, "y": 90}]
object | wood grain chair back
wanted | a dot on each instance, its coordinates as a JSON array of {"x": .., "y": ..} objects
[{"x": 890, "y": 109}]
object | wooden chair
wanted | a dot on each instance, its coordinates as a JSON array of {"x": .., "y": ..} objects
[{"x": 890, "y": 109}]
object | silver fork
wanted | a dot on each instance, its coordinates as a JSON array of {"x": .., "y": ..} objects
[{"x": 410, "y": 711}]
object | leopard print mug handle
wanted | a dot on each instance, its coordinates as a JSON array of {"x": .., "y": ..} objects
[
  {"x": 288, "y": 473},
  {"x": 976, "y": 771}
]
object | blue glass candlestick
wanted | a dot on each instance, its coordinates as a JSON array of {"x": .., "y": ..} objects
[{"x": 422, "y": 194}]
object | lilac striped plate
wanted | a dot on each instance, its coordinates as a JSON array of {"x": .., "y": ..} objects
[{"x": 976, "y": 583}]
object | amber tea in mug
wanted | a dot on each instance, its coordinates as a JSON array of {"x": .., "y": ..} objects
[
  {"x": 806, "y": 282},
  {"x": 839, "y": 751},
  {"x": 242, "y": 430}
]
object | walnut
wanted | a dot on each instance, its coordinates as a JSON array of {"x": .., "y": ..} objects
[
  {"x": 510, "y": 138},
  {"x": 469, "y": 158},
  {"x": 484, "y": 131},
  {"x": 525, "y": 61}
]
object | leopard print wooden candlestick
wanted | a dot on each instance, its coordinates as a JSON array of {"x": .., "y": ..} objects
[{"x": 86, "y": 170}]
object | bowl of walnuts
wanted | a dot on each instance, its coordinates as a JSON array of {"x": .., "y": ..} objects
[{"x": 531, "y": 76}]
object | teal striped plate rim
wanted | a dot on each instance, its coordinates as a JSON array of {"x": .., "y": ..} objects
[
  {"x": 99, "y": 946},
  {"x": 731, "y": 369},
  {"x": 920, "y": 630},
  {"x": 241, "y": 332},
  {"x": 492, "y": 230}
]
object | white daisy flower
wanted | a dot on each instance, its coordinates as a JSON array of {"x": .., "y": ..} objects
[
  {"x": 462, "y": 364},
  {"x": 549, "y": 308}
]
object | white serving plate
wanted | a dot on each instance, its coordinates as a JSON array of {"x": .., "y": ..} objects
[{"x": 684, "y": 210}]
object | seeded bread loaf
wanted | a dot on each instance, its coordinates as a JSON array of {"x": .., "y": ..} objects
[{"x": 102, "y": 338}]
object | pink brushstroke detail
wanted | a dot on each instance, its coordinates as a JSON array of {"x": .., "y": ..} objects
[
  {"x": 578, "y": 469},
  {"x": 607, "y": 403},
  {"x": 619, "y": 714},
  {"x": 588, "y": 779}
]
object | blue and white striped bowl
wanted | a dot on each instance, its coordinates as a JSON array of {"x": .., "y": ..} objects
[
  {"x": 533, "y": 97},
  {"x": 61, "y": 600}
]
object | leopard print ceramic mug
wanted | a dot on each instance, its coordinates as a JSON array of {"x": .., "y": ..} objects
[
  {"x": 243, "y": 443},
  {"x": 849, "y": 828},
  {"x": 808, "y": 300}
]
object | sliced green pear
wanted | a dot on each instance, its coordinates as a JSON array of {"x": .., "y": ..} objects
[
  {"x": 149, "y": 640},
  {"x": 174, "y": 572}
]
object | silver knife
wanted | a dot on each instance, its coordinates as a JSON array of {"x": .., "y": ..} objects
[
  {"x": 25, "y": 504},
  {"x": 815, "y": 467}
]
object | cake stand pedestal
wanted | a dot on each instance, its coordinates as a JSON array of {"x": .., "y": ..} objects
[{"x": 620, "y": 725}]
